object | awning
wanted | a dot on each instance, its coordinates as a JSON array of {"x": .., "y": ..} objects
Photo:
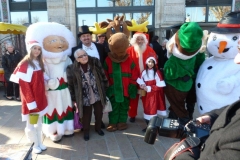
[{"x": 7, "y": 28}]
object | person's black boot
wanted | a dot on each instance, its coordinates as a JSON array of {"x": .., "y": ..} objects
[
  {"x": 132, "y": 119},
  {"x": 144, "y": 130}
]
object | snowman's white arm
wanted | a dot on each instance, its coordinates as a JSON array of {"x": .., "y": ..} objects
[{"x": 227, "y": 84}]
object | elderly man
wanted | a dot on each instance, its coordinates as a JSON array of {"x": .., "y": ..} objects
[
  {"x": 139, "y": 52},
  {"x": 93, "y": 49}
]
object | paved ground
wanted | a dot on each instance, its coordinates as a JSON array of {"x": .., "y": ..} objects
[{"x": 124, "y": 145}]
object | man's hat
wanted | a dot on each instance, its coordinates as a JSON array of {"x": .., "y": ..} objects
[
  {"x": 84, "y": 30},
  {"x": 189, "y": 38},
  {"x": 228, "y": 24}
]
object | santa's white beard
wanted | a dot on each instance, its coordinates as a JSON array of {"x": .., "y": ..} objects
[{"x": 139, "y": 50}]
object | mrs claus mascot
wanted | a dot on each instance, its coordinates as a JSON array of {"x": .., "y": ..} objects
[
  {"x": 218, "y": 79},
  {"x": 57, "y": 42}
]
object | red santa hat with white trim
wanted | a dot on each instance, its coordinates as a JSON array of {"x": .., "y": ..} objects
[
  {"x": 30, "y": 44},
  {"x": 151, "y": 58}
]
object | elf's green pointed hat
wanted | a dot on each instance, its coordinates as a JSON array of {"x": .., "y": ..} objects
[{"x": 189, "y": 38}]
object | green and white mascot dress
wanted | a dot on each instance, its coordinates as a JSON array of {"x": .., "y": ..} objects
[{"x": 57, "y": 42}]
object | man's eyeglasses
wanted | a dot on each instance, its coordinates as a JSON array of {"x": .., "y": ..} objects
[{"x": 84, "y": 55}]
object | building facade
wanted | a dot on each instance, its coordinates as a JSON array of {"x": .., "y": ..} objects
[{"x": 163, "y": 15}]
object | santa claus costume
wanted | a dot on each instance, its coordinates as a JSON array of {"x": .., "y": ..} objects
[
  {"x": 139, "y": 54},
  {"x": 29, "y": 75},
  {"x": 152, "y": 82}
]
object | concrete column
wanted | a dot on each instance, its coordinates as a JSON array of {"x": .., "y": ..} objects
[
  {"x": 63, "y": 12},
  {"x": 168, "y": 13}
]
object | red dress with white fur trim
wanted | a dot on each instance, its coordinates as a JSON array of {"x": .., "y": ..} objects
[
  {"x": 32, "y": 90},
  {"x": 153, "y": 101}
]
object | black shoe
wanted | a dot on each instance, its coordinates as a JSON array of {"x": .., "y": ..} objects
[
  {"x": 103, "y": 125},
  {"x": 100, "y": 132},
  {"x": 86, "y": 137},
  {"x": 9, "y": 98},
  {"x": 132, "y": 119},
  {"x": 144, "y": 130}
]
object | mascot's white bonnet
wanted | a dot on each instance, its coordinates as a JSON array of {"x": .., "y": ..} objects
[{"x": 40, "y": 30}]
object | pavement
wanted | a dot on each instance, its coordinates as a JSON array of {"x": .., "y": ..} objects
[{"x": 120, "y": 145}]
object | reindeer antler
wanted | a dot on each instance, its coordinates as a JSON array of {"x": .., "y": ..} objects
[
  {"x": 138, "y": 27},
  {"x": 97, "y": 29}
]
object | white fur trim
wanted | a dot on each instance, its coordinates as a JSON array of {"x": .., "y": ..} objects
[
  {"x": 147, "y": 116},
  {"x": 133, "y": 39},
  {"x": 175, "y": 51},
  {"x": 27, "y": 77},
  {"x": 149, "y": 88},
  {"x": 60, "y": 128},
  {"x": 152, "y": 59},
  {"x": 162, "y": 113},
  {"x": 40, "y": 30},
  {"x": 32, "y": 105},
  {"x": 140, "y": 81},
  {"x": 29, "y": 45},
  {"x": 161, "y": 84},
  {"x": 43, "y": 112}
]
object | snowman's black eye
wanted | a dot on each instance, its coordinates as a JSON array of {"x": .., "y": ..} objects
[
  {"x": 235, "y": 38},
  {"x": 214, "y": 37}
]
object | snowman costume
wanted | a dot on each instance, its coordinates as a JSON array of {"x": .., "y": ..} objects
[
  {"x": 57, "y": 42},
  {"x": 218, "y": 79}
]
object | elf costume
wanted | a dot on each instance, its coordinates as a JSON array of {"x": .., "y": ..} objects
[
  {"x": 179, "y": 69},
  {"x": 121, "y": 72}
]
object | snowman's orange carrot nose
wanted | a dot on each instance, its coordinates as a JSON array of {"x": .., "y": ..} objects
[{"x": 222, "y": 46}]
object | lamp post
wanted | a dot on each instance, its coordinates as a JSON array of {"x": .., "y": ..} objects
[{"x": 83, "y": 22}]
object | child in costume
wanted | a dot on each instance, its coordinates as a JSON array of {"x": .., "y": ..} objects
[
  {"x": 57, "y": 42},
  {"x": 152, "y": 82},
  {"x": 122, "y": 74},
  {"x": 30, "y": 75}
]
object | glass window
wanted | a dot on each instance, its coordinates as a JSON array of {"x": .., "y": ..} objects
[
  {"x": 104, "y": 17},
  {"x": 19, "y": 0},
  {"x": 143, "y": 2},
  {"x": 142, "y": 17},
  {"x": 123, "y": 3},
  {"x": 217, "y": 12},
  {"x": 127, "y": 16},
  {"x": 105, "y": 3},
  {"x": 19, "y": 17},
  {"x": 85, "y": 3},
  {"x": 35, "y": 16},
  {"x": 86, "y": 19},
  {"x": 195, "y": 14}
]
